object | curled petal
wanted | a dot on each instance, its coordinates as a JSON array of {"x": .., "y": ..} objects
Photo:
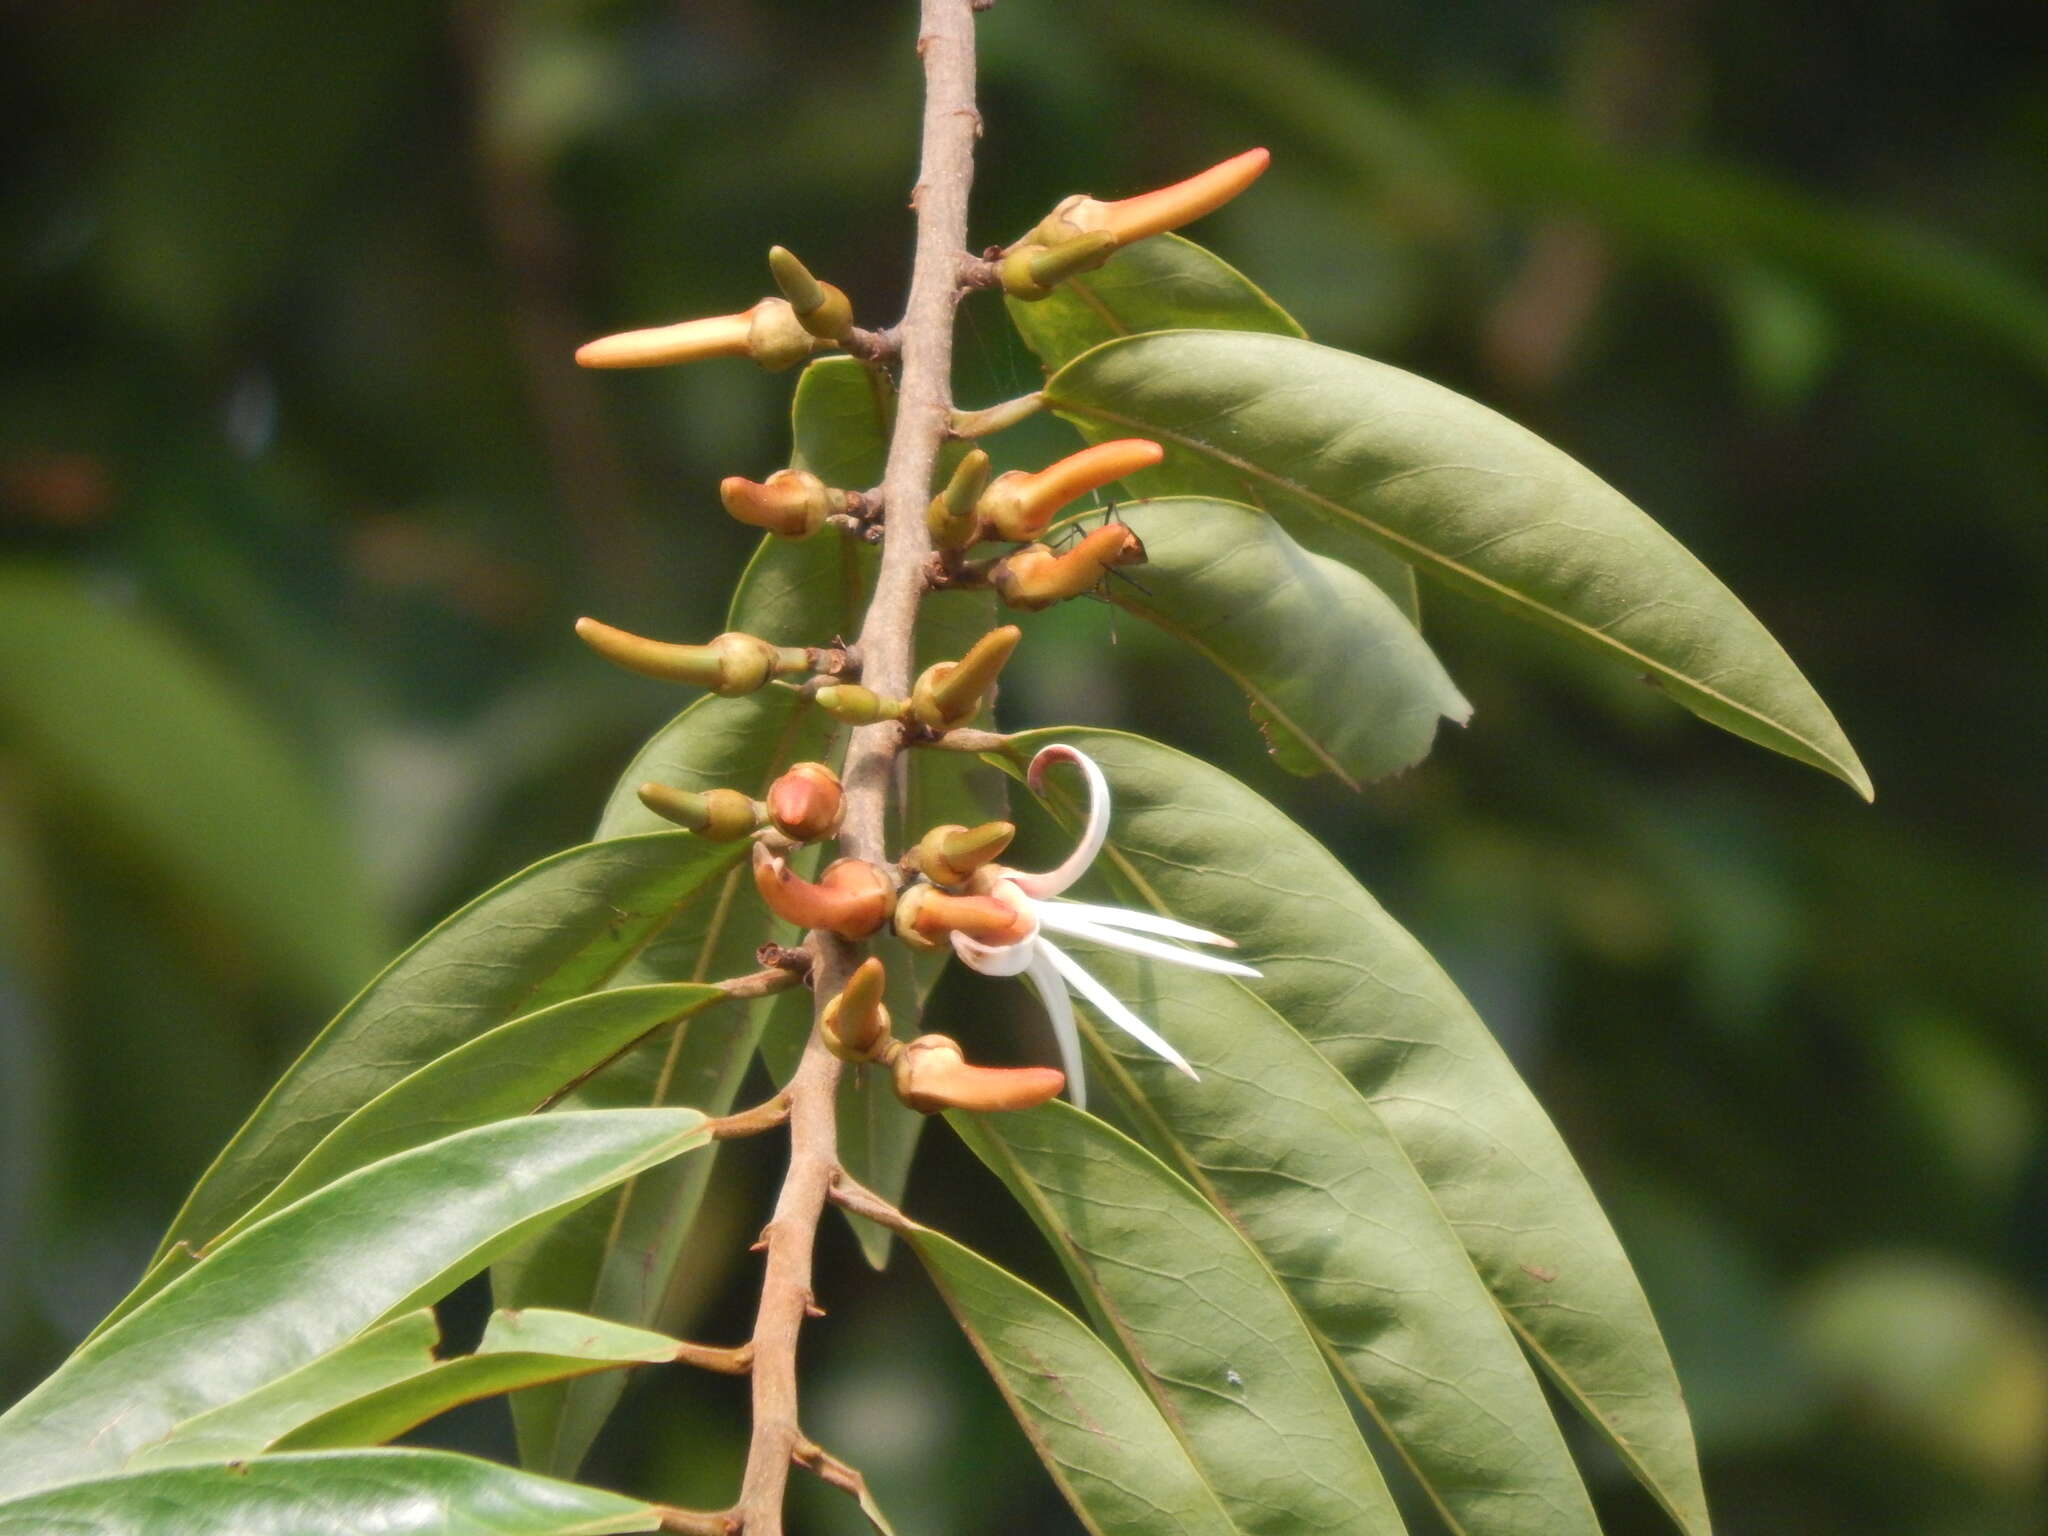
[
  {"x": 1054, "y": 881},
  {"x": 1142, "y": 922}
]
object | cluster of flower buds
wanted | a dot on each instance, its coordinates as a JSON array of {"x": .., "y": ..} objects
[
  {"x": 732, "y": 663},
  {"x": 929, "y": 1073},
  {"x": 1082, "y": 233}
]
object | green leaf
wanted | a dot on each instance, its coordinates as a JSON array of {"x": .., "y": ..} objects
[
  {"x": 376, "y": 1243},
  {"x": 1193, "y": 842},
  {"x": 1281, "y": 1144},
  {"x": 1346, "y": 444},
  {"x": 615, "y": 1259},
  {"x": 384, "y": 1356},
  {"x": 1338, "y": 679},
  {"x": 1162, "y": 284},
  {"x": 1213, "y": 1336},
  {"x": 1097, "y": 1432},
  {"x": 518, "y": 1350},
  {"x": 554, "y": 930},
  {"x": 139, "y": 733},
  {"x": 515, "y": 1069},
  {"x": 1170, "y": 284},
  {"x": 395, "y": 1493}
]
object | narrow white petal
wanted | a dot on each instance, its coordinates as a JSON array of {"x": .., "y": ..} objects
[
  {"x": 1131, "y": 943},
  {"x": 1106, "y": 1003},
  {"x": 1059, "y": 1008},
  {"x": 1053, "y": 881},
  {"x": 1144, "y": 922}
]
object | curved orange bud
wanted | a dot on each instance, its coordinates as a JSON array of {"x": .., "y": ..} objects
[
  {"x": 1035, "y": 577},
  {"x": 931, "y": 1075},
  {"x": 931, "y": 914},
  {"x": 854, "y": 1023},
  {"x": 806, "y": 802},
  {"x": 1155, "y": 212},
  {"x": 851, "y": 898},
  {"x": 1020, "y": 506},
  {"x": 791, "y": 502}
]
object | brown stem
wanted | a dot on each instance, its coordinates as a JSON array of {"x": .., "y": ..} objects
[
  {"x": 849, "y": 1194},
  {"x": 923, "y": 412},
  {"x": 752, "y": 1122},
  {"x": 727, "y": 1360}
]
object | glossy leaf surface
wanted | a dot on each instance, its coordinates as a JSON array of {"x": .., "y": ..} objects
[
  {"x": 1338, "y": 679},
  {"x": 1099, "y": 1435},
  {"x": 381, "y": 1241},
  {"x": 1189, "y": 840},
  {"x": 1213, "y": 1336},
  {"x": 1339, "y": 443},
  {"x": 1170, "y": 284},
  {"x": 552, "y": 931},
  {"x": 394, "y": 1493}
]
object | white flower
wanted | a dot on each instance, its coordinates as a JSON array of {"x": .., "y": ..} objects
[{"x": 1050, "y": 969}]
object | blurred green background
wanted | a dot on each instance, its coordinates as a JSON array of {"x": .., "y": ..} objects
[{"x": 298, "y": 494}]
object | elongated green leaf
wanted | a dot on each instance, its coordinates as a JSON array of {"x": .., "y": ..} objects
[
  {"x": 615, "y": 1260},
  {"x": 219, "y": 805},
  {"x": 387, "y": 1354},
  {"x": 395, "y": 1493},
  {"x": 552, "y": 931},
  {"x": 1345, "y": 444},
  {"x": 1166, "y": 283},
  {"x": 376, "y": 1243},
  {"x": 1287, "y": 1149},
  {"x": 1171, "y": 284},
  {"x": 1338, "y": 678},
  {"x": 1190, "y": 840},
  {"x": 518, "y": 1350},
  {"x": 1212, "y": 1334},
  {"x": 514, "y": 1069},
  {"x": 1097, "y": 1432}
]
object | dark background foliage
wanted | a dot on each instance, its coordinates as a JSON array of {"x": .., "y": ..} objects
[{"x": 298, "y": 494}]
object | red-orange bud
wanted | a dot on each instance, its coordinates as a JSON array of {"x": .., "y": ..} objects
[
  {"x": 1152, "y": 213},
  {"x": 791, "y": 502},
  {"x": 851, "y": 898},
  {"x": 806, "y": 802},
  {"x": 1021, "y": 506},
  {"x": 931, "y": 1075},
  {"x": 1035, "y": 577},
  {"x": 925, "y": 914},
  {"x": 769, "y": 333}
]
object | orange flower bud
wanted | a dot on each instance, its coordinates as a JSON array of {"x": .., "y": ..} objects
[
  {"x": 950, "y": 855},
  {"x": 931, "y": 1075},
  {"x": 855, "y": 1024},
  {"x": 1020, "y": 506},
  {"x": 732, "y": 663},
  {"x": 948, "y": 693},
  {"x": 1152, "y": 213},
  {"x": 769, "y": 333},
  {"x": 717, "y": 815},
  {"x": 791, "y": 502},
  {"x": 924, "y": 912},
  {"x": 1034, "y": 577},
  {"x": 806, "y": 802},
  {"x": 851, "y": 898}
]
